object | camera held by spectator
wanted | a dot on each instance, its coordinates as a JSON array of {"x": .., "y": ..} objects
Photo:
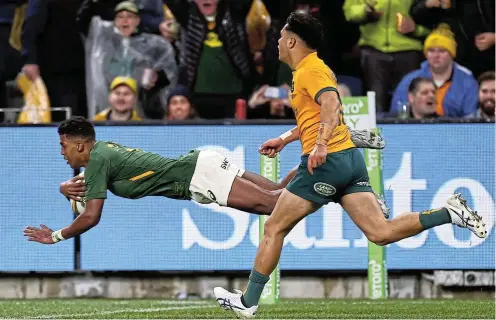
[{"x": 271, "y": 100}]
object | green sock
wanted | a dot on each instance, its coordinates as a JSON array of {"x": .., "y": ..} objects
[
  {"x": 255, "y": 287},
  {"x": 434, "y": 217}
]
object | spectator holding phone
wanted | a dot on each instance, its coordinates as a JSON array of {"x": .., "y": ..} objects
[{"x": 270, "y": 103}]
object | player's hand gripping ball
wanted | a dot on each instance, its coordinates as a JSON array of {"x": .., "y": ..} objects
[{"x": 79, "y": 206}]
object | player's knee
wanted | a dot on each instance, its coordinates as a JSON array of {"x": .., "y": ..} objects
[
  {"x": 273, "y": 228},
  {"x": 380, "y": 237}
]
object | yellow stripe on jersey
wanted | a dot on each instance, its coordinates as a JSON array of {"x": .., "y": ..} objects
[{"x": 143, "y": 175}]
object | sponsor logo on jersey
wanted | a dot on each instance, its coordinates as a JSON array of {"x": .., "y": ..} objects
[
  {"x": 363, "y": 183},
  {"x": 324, "y": 189},
  {"x": 225, "y": 164},
  {"x": 211, "y": 195}
]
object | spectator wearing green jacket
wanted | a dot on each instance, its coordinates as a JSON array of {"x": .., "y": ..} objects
[{"x": 390, "y": 43}]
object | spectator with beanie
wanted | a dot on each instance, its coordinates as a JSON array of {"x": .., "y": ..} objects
[
  {"x": 180, "y": 104},
  {"x": 150, "y": 12},
  {"x": 122, "y": 101},
  {"x": 120, "y": 49},
  {"x": 216, "y": 62},
  {"x": 456, "y": 94},
  {"x": 472, "y": 22},
  {"x": 390, "y": 43}
]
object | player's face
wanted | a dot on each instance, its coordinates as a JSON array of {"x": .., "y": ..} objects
[
  {"x": 286, "y": 42},
  {"x": 179, "y": 108},
  {"x": 122, "y": 99},
  {"x": 283, "y": 45},
  {"x": 71, "y": 149},
  {"x": 127, "y": 23},
  {"x": 487, "y": 96}
]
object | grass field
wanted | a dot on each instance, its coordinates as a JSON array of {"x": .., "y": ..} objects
[{"x": 287, "y": 309}]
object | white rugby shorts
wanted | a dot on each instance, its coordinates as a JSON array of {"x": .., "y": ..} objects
[{"x": 213, "y": 178}]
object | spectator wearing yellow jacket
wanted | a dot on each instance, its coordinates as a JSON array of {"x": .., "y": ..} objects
[
  {"x": 122, "y": 100},
  {"x": 390, "y": 43}
]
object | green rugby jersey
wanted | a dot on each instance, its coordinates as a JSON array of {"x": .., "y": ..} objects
[{"x": 132, "y": 173}]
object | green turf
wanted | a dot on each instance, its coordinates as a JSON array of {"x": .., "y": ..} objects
[{"x": 287, "y": 309}]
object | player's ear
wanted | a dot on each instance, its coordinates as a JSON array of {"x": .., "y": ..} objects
[
  {"x": 80, "y": 146},
  {"x": 291, "y": 42}
]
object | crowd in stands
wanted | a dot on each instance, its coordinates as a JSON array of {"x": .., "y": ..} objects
[{"x": 114, "y": 60}]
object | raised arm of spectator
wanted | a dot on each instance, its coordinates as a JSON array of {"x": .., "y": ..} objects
[
  {"x": 165, "y": 63},
  {"x": 427, "y": 12},
  {"x": 180, "y": 10},
  {"x": 420, "y": 31},
  {"x": 152, "y": 14},
  {"x": 34, "y": 24},
  {"x": 85, "y": 13},
  {"x": 358, "y": 11}
]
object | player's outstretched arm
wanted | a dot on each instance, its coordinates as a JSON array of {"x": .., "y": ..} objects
[
  {"x": 81, "y": 224},
  {"x": 271, "y": 147}
]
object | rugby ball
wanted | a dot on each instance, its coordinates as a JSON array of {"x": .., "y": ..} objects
[{"x": 78, "y": 207}]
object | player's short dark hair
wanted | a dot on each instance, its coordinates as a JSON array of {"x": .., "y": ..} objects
[
  {"x": 416, "y": 82},
  {"x": 77, "y": 126},
  {"x": 486, "y": 76},
  {"x": 308, "y": 28}
]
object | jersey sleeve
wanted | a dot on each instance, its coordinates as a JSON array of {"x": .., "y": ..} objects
[
  {"x": 316, "y": 82},
  {"x": 96, "y": 177}
]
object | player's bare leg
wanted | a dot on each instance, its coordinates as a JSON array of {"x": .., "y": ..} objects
[
  {"x": 364, "y": 210},
  {"x": 249, "y": 197},
  {"x": 267, "y": 184},
  {"x": 289, "y": 210}
]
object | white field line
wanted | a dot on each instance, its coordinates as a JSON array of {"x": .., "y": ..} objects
[{"x": 97, "y": 313}]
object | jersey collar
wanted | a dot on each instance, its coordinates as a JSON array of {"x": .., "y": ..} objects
[{"x": 306, "y": 60}]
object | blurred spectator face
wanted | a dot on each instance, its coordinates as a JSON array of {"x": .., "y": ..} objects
[
  {"x": 179, "y": 108},
  {"x": 207, "y": 7},
  {"x": 486, "y": 97},
  {"x": 344, "y": 91},
  {"x": 127, "y": 22},
  {"x": 122, "y": 99},
  {"x": 423, "y": 100},
  {"x": 277, "y": 107},
  {"x": 439, "y": 59}
]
